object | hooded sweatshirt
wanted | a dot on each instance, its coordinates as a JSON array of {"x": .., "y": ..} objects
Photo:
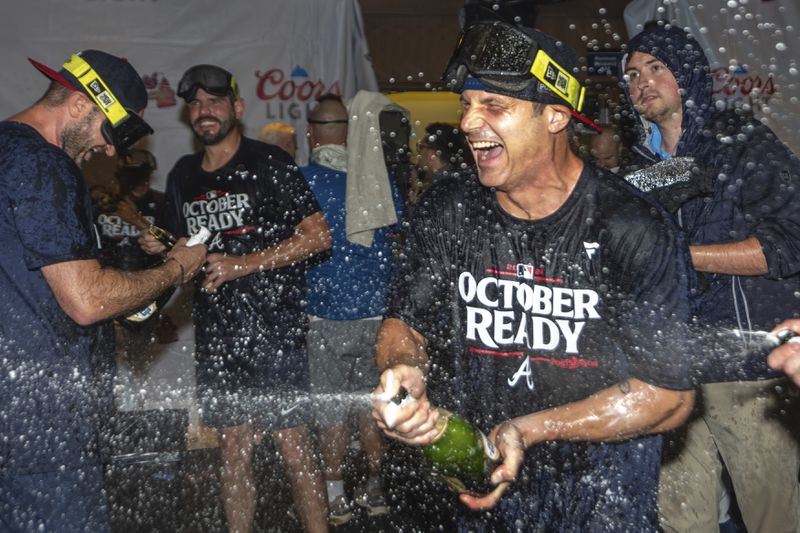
[{"x": 755, "y": 188}]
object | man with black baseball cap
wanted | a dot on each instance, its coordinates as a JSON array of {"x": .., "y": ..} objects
[
  {"x": 53, "y": 391},
  {"x": 249, "y": 319},
  {"x": 112, "y": 84},
  {"x": 537, "y": 299}
]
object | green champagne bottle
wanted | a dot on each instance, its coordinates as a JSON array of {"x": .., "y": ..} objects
[
  {"x": 460, "y": 453},
  {"x": 163, "y": 236}
]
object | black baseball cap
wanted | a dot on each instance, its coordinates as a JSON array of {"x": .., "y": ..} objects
[
  {"x": 211, "y": 78},
  {"x": 519, "y": 62},
  {"x": 123, "y": 84}
]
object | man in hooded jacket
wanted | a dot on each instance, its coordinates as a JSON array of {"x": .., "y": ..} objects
[{"x": 739, "y": 204}]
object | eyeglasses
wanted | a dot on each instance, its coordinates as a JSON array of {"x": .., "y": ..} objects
[
  {"x": 310, "y": 121},
  {"x": 213, "y": 80},
  {"x": 505, "y": 58}
]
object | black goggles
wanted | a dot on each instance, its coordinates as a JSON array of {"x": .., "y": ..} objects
[
  {"x": 506, "y": 59},
  {"x": 213, "y": 80},
  {"x": 125, "y": 133}
]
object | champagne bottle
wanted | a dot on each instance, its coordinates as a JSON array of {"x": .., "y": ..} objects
[
  {"x": 153, "y": 308},
  {"x": 460, "y": 453},
  {"x": 163, "y": 236}
]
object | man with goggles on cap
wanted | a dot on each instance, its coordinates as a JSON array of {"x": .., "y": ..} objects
[
  {"x": 53, "y": 391},
  {"x": 250, "y": 324},
  {"x": 542, "y": 294}
]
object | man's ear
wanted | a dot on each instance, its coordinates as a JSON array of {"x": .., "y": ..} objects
[
  {"x": 238, "y": 108},
  {"x": 77, "y": 102},
  {"x": 558, "y": 117}
]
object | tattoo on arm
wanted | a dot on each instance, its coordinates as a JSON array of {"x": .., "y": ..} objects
[{"x": 625, "y": 387}]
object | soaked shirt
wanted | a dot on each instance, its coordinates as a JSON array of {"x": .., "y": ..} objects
[
  {"x": 48, "y": 362},
  {"x": 536, "y": 314},
  {"x": 353, "y": 283},
  {"x": 250, "y": 204},
  {"x": 119, "y": 239},
  {"x": 526, "y": 315}
]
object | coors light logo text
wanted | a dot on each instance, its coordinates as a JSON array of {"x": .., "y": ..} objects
[{"x": 290, "y": 96}]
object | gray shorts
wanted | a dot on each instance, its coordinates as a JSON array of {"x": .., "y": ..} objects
[{"x": 341, "y": 358}]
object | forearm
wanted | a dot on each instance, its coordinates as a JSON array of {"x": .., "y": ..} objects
[
  {"x": 311, "y": 236},
  {"x": 400, "y": 344},
  {"x": 89, "y": 293},
  {"x": 738, "y": 258},
  {"x": 620, "y": 412}
]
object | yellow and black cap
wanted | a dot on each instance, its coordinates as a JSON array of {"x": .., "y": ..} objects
[
  {"x": 212, "y": 79},
  {"x": 519, "y": 62},
  {"x": 114, "y": 85}
]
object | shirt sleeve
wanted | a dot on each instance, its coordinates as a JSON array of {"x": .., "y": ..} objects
[
  {"x": 419, "y": 291},
  {"x": 656, "y": 306},
  {"x": 171, "y": 216},
  {"x": 297, "y": 201},
  {"x": 52, "y": 211},
  {"x": 769, "y": 177}
]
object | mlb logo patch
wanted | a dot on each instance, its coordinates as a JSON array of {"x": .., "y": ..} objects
[{"x": 525, "y": 271}]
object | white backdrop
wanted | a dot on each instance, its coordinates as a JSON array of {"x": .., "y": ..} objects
[
  {"x": 752, "y": 45},
  {"x": 284, "y": 54}
]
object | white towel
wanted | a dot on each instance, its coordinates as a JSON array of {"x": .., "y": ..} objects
[{"x": 368, "y": 202}]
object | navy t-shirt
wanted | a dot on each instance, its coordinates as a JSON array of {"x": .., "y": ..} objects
[
  {"x": 47, "y": 374},
  {"x": 523, "y": 315},
  {"x": 119, "y": 239},
  {"x": 250, "y": 204}
]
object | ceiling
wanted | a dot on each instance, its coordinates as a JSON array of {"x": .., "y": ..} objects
[{"x": 411, "y": 40}]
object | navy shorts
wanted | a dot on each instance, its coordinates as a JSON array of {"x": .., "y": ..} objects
[
  {"x": 250, "y": 380},
  {"x": 579, "y": 487},
  {"x": 65, "y": 500}
]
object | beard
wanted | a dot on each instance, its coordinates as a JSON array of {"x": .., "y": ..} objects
[
  {"x": 76, "y": 139},
  {"x": 210, "y": 139}
]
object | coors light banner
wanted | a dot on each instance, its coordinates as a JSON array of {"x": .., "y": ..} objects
[{"x": 283, "y": 53}]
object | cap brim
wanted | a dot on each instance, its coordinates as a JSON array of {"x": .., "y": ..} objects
[
  {"x": 583, "y": 123},
  {"x": 52, "y": 74}
]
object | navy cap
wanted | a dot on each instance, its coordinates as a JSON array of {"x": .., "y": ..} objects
[{"x": 118, "y": 75}]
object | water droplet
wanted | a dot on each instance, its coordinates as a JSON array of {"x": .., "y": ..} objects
[{"x": 780, "y": 47}]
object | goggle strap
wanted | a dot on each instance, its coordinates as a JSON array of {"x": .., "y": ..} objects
[
  {"x": 97, "y": 89},
  {"x": 558, "y": 80}
]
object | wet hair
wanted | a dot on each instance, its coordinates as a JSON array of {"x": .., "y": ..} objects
[{"x": 55, "y": 95}]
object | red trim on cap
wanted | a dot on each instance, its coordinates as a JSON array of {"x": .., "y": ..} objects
[
  {"x": 52, "y": 74},
  {"x": 586, "y": 121}
]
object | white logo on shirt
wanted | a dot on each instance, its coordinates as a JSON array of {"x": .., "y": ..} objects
[{"x": 590, "y": 248}]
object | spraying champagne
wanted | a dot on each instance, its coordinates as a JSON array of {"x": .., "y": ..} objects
[{"x": 460, "y": 453}]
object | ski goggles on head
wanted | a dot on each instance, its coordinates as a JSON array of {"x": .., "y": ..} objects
[
  {"x": 506, "y": 59},
  {"x": 213, "y": 80},
  {"x": 123, "y": 127}
]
